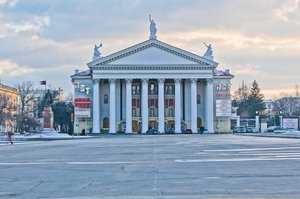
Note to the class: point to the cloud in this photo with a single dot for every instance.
(8, 3)
(287, 10)
(34, 26)
(234, 39)
(10, 69)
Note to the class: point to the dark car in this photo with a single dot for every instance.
(170, 131)
(187, 131)
(152, 131)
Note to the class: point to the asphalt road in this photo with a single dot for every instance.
(152, 166)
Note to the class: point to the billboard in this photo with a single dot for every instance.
(223, 108)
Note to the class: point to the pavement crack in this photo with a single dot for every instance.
(36, 186)
(86, 186)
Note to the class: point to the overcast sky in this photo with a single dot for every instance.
(49, 39)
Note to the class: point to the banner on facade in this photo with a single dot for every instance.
(82, 112)
(223, 108)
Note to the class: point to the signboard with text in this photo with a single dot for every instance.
(82, 112)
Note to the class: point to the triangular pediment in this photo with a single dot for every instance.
(152, 52)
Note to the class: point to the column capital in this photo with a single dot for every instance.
(193, 80)
(209, 81)
(161, 81)
(111, 81)
(177, 81)
(128, 80)
(96, 81)
(145, 81)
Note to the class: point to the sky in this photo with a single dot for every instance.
(49, 39)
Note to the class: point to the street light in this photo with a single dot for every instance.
(280, 118)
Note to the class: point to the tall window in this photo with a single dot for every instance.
(171, 112)
(198, 99)
(134, 112)
(152, 88)
(105, 99)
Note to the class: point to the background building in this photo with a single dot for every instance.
(9, 98)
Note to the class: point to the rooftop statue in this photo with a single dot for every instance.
(209, 52)
(97, 54)
(153, 28)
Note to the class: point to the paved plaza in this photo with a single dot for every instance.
(152, 166)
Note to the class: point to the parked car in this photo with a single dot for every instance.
(239, 129)
(187, 131)
(251, 130)
(170, 131)
(275, 129)
(152, 131)
(202, 130)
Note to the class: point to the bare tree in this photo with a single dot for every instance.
(26, 96)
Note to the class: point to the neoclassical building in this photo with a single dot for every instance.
(152, 85)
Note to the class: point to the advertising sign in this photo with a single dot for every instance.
(82, 112)
(223, 108)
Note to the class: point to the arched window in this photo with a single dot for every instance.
(106, 123)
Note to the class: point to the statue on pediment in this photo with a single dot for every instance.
(153, 28)
(97, 53)
(209, 52)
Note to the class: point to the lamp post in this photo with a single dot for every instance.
(280, 118)
(257, 120)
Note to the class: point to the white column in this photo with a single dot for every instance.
(238, 120)
(194, 105)
(281, 120)
(257, 122)
(96, 106)
(112, 106)
(144, 105)
(177, 106)
(128, 106)
(161, 106)
(209, 112)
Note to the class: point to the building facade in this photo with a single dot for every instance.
(152, 85)
(9, 98)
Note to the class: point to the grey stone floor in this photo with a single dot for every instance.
(152, 166)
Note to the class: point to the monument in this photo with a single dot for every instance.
(48, 115)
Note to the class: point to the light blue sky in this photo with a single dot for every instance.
(48, 39)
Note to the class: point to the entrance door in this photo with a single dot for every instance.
(170, 124)
(135, 126)
(153, 124)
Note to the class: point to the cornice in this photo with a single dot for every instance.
(154, 67)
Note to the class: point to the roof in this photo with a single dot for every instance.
(152, 43)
